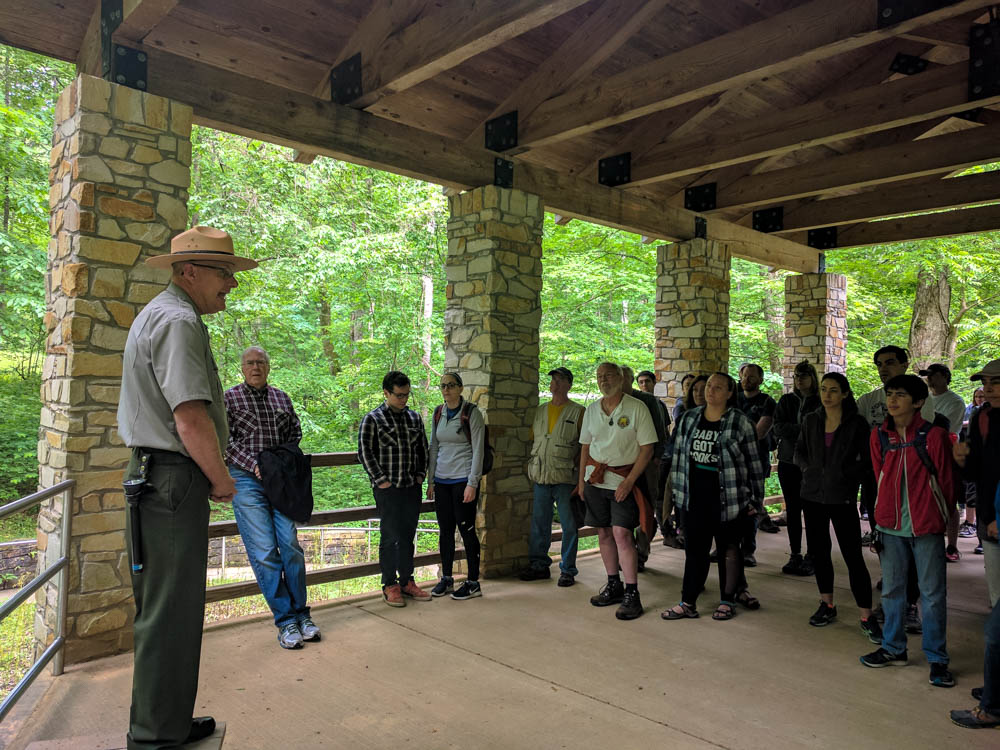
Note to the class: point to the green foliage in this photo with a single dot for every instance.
(19, 436)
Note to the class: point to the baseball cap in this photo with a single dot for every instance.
(564, 372)
(937, 367)
(992, 370)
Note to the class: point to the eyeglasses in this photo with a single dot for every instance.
(401, 396)
(255, 363)
(223, 272)
(446, 386)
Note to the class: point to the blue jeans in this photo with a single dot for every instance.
(273, 549)
(541, 527)
(927, 554)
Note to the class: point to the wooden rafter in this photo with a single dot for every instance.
(804, 34)
(252, 108)
(922, 227)
(142, 16)
(934, 93)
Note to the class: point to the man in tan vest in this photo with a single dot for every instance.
(553, 470)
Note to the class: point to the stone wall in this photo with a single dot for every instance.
(494, 273)
(120, 169)
(692, 312)
(815, 322)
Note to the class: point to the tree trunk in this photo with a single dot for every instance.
(6, 175)
(774, 314)
(427, 309)
(333, 360)
(932, 336)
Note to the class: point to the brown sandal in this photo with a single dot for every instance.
(725, 611)
(687, 612)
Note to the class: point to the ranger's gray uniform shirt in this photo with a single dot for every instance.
(168, 360)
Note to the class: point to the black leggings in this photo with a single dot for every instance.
(452, 512)
(847, 527)
(790, 478)
(701, 526)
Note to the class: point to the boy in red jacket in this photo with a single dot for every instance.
(913, 465)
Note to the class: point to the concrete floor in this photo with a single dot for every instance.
(530, 665)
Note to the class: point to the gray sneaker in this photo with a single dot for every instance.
(290, 636)
(309, 630)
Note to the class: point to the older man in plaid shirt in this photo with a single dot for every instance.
(261, 416)
(392, 446)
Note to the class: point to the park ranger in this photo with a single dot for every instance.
(172, 415)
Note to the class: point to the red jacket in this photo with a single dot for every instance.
(925, 514)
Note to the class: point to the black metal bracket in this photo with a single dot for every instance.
(128, 67)
(891, 12)
(700, 227)
(700, 197)
(972, 115)
(908, 65)
(345, 80)
(769, 219)
(984, 60)
(503, 173)
(821, 263)
(824, 238)
(501, 132)
(615, 170)
(111, 19)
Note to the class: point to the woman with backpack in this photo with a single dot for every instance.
(833, 453)
(788, 417)
(455, 467)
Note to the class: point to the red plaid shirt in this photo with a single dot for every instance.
(258, 419)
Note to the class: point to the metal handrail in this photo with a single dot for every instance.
(55, 651)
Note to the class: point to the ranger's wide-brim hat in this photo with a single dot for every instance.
(202, 244)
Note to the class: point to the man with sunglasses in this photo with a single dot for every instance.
(392, 446)
(171, 414)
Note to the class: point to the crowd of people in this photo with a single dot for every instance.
(912, 448)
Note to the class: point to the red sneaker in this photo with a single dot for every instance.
(393, 596)
(413, 591)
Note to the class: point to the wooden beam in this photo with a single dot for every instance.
(450, 33)
(140, 17)
(593, 42)
(249, 107)
(561, 220)
(303, 157)
(802, 35)
(926, 226)
(940, 154)
(955, 192)
(934, 93)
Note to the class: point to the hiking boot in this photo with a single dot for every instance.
(913, 624)
(951, 554)
(872, 630)
(565, 580)
(670, 539)
(308, 629)
(468, 590)
(535, 574)
(749, 561)
(289, 636)
(882, 658)
(613, 592)
(445, 586)
(393, 595)
(823, 616)
(631, 606)
(975, 718)
(941, 676)
(795, 565)
(412, 591)
(967, 530)
(767, 525)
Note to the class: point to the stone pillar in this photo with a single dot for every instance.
(494, 273)
(692, 312)
(815, 322)
(120, 169)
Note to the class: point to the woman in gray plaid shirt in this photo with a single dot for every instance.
(718, 480)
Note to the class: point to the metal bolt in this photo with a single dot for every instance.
(141, 57)
(977, 89)
(121, 51)
(886, 12)
(988, 41)
(140, 85)
(120, 78)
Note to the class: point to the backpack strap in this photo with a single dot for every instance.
(919, 444)
(467, 408)
(437, 415)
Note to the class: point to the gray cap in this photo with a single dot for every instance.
(992, 370)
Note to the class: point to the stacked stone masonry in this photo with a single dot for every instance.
(815, 322)
(494, 274)
(120, 170)
(692, 312)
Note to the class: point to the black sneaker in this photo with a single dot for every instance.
(565, 579)
(713, 556)
(823, 616)
(631, 606)
(872, 630)
(941, 676)
(445, 586)
(749, 561)
(794, 565)
(767, 525)
(535, 574)
(879, 614)
(913, 624)
(882, 658)
(808, 568)
(979, 549)
(613, 592)
(468, 590)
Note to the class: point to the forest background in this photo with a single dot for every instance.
(353, 286)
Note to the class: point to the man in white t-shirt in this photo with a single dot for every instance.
(951, 406)
(617, 441)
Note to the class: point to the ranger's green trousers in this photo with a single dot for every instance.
(169, 599)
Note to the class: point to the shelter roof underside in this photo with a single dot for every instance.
(777, 103)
